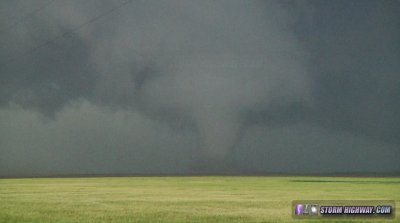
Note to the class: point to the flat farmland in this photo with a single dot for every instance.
(181, 199)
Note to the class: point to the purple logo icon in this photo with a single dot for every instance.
(298, 210)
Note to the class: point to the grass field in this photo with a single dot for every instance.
(179, 199)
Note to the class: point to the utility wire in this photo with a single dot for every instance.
(24, 18)
(32, 50)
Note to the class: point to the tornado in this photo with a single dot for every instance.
(206, 64)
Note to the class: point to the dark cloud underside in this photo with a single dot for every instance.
(159, 87)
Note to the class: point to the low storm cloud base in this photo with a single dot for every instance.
(172, 87)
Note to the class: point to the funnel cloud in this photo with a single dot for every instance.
(193, 87)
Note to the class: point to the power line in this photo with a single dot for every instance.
(28, 16)
(74, 29)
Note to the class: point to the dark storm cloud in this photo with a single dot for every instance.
(181, 87)
(47, 78)
(356, 55)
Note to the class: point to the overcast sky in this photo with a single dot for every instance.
(178, 87)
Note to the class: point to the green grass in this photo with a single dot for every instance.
(179, 199)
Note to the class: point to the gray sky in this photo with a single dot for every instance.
(165, 87)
